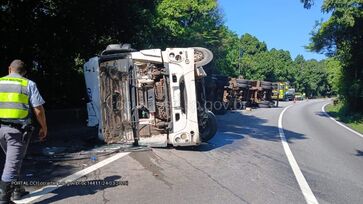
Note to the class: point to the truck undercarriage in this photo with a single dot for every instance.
(150, 97)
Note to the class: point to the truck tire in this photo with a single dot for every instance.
(264, 106)
(242, 86)
(265, 102)
(244, 105)
(239, 105)
(266, 83)
(117, 48)
(266, 87)
(210, 129)
(242, 81)
(202, 56)
(220, 109)
(221, 112)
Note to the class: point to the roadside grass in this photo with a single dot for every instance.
(340, 113)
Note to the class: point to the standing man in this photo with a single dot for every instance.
(18, 96)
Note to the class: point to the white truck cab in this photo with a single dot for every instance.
(149, 97)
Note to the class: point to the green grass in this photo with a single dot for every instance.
(340, 113)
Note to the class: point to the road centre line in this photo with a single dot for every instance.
(339, 123)
(303, 184)
(48, 189)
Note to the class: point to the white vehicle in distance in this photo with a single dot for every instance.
(149, 97)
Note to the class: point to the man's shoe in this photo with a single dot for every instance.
(19, 192)
(6, 189)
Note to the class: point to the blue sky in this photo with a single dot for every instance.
(282, 24)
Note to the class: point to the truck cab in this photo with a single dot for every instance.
(149, 97)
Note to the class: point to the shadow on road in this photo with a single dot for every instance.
(35, 171)
(67, 130)
(45, 170)
(81, 190)
(359, 153)
(235, 126)
(322, 114)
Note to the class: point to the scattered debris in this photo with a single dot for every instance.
(49, 151)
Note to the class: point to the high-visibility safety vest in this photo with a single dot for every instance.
(14, 99)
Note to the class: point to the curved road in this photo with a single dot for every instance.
(244, 163)
(330, 157)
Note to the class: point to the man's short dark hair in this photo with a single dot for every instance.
(17, 66)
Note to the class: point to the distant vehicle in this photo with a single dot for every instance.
(226, 93)
(299, 96)
(149, 97)
(279, 90)
(289, 95)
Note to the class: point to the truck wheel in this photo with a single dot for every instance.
(265, 102)
(211, 128)
(242, 81)
(221, 109)
(244, 104)
(242, 85)
(237, 105)
(266, 83)
(264, 106)
(202, 56)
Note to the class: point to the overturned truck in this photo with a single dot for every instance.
(225, 93)
(149, 97)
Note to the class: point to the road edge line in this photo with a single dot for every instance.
(48, 189)
(303, 184)
(339, 123)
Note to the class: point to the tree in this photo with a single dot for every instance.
(250, 45)
(334, 70)
(55, 37)
(187, 23)
(273, 65)
(251, 49)
(307, 3)
(226, 58)
(341, 36)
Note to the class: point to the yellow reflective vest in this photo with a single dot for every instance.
(14, 99)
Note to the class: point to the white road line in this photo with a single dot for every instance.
(303, 184)
(47, 189)
(339, 123)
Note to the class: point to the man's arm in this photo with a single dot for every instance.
(40, 115)
(36, 101)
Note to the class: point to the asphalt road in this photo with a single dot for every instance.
(244, 163)
(330, 157)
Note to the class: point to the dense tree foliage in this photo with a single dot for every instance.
(334, 70)
(187, 23)
(341, 36)
(253, 60)
(55, 38)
